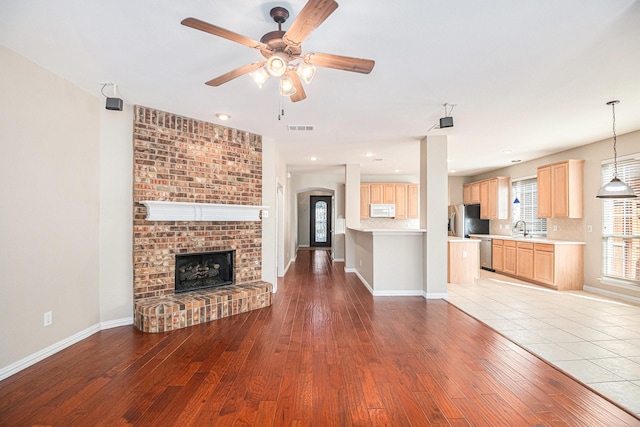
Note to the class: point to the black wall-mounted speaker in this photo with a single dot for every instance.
(446, 122)
(114, 104)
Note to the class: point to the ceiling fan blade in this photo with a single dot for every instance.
(338, 62)
(300, 94)
(310, 17)
(235, 73)
(221, 32)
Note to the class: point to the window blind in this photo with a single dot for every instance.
(526, 193)
(621, 224)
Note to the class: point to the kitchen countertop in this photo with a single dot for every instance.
(390, 231)
(453, 239)
(529, 239)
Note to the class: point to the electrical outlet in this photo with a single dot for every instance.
(464, 254)
(360, 263)
(589, 229)
(555, 227)
(500, 226)
(48, 318)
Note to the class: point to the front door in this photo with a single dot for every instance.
(320, 226)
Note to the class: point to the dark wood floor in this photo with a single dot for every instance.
(326, 353)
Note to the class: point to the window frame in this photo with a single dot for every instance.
(521, 189)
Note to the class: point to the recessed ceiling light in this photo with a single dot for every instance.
(223, 116)
(313, 159)
(507, 151)
(369, 154)
(452, 171)
(396, 170)
(516, 161)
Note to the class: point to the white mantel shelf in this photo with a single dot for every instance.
(185, 211)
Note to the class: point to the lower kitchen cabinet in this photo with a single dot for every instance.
(524, 260)
(497, 249)
(543, 263)
(510, 257)
(557, 265)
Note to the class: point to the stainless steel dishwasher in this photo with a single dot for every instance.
(485, 253)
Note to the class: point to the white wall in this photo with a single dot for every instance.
(49, 224)
(116, 215)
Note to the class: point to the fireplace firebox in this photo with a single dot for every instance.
(203, 270)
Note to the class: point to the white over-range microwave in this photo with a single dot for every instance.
(382, 210)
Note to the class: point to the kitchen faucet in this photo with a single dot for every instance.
(515, 227)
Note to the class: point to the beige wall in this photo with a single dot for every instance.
(592, 154)
(49, 223)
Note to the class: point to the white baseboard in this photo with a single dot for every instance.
(615, 295)
(350, 270)
(430, 295)
(24, 363)
(364, 282)
(338, 259)
(400, 293)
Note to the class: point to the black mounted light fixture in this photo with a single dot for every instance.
(615, 189)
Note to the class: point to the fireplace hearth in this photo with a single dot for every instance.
(197, 271)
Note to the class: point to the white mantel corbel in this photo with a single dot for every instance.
(185, 211)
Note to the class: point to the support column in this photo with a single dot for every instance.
(433, 214)
(351, 214)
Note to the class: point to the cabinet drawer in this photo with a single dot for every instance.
(498, 242)
(525, 245)
(509, 243)
(543, 247)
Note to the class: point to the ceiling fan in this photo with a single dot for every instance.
(282, 50)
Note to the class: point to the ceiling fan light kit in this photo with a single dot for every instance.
(283, 50)
(616, 188)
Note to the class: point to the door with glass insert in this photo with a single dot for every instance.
(320, 221)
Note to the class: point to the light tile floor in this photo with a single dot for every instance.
(593, 338)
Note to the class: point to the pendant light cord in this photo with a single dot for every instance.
(615, 150)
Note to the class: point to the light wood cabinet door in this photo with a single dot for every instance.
(484, 199)
(544, 192)
(492, 199)
(543, 256)
(400, 191)
(412, 201)
(560, 190)
(388, 193)
(497, 259)
(376, 193)
(364, 200)
(509, 257)
(466, 194)
(524, 260)
(475, 192)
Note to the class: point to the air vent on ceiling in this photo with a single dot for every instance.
(301, 127)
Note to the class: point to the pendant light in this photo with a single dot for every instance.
(616, 189)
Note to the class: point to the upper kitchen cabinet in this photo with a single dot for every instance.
(471, 193)
(412, 201)
(365, 191)
(494, 198)
(403, 195)
(560, 189)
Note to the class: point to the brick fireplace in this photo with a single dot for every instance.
(179, 159)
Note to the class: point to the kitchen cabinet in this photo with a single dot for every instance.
(471, 193)
(400, 196)
(403, 195)
(524, 260)
(497, 250)
(543, 263)
(376, 193)
(560, 189)
(365, 190)
(510, 257)
(558, 265)
(492, 195)
(412, 201)
(484, 199)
